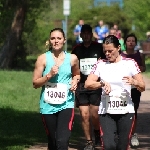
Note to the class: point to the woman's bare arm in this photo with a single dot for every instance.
(38, 80)
(138, 82)
(75, 72)
(91, 82)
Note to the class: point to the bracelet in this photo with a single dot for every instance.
(48, 77)
(78, 80)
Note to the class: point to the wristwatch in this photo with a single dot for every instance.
(102, 82)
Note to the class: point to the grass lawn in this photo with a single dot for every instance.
(21, 124)
(19, 111)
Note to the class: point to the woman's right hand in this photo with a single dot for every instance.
(54, 70)
(107, 88)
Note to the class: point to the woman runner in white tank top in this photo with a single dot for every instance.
(116, 109)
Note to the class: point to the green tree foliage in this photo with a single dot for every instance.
(42, 16)
(109, 14)
(139, 13)
(6, 17)
(78, 7)
(8, 11)
(49, 16)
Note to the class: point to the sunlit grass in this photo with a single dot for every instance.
(21, 123)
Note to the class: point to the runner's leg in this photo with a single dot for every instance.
(82, 101)
(135, 94)
(64, 127)
(108, 129)
(49, 121)
(95, 98)
(95, 123)
(85, 114)
(124, 128)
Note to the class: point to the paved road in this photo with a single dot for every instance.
(143, 128)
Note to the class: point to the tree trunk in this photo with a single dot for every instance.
(9, 48)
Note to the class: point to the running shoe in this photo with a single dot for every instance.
(89, 146)
(134, 140)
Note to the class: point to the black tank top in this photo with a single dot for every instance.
(135, 56)
(95, 50)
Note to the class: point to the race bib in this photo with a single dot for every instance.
(115, 105)
(80, 39)
(55, 93)
(86, 65)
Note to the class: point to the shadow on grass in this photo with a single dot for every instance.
(20, 128)
(23, 129)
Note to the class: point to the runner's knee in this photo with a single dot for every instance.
(85, 114)
(85, 117)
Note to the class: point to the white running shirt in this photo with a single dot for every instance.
(119, 99)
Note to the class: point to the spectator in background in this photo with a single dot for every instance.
(113, 31)
(117, 30)
(100, 32)
(121, 41)
(77, 31)
(47, 45)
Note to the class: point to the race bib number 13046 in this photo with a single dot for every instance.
(55, 93)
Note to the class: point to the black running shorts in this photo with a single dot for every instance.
(86, 97)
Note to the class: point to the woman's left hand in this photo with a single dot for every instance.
(107, 88)
(74, 85)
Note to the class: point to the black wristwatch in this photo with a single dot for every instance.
(102, 82)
